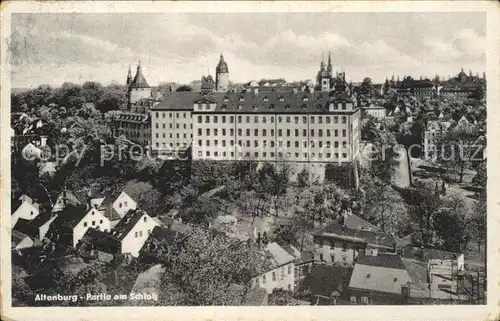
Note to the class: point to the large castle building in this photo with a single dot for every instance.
(135, 122)
(306, 129)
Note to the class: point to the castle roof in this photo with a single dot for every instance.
(222, 66)
(139, 80)
(256, 102)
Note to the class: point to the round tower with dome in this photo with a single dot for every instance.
(222, 75)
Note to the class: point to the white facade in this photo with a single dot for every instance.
(282, 277)
(377, 112)
(137, 94)
(123, 204)
(94, 219)
(171, 130)
(28, 210)
(137, 236)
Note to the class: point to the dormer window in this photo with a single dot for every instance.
(240, 106)
(304, 106)
(281, 98)
(242, 98)
(265, 98)
(226, 98)
(255, 107)
(318, 106)
(305, 98)
(271, 106)
(287, 106)
(224, 107)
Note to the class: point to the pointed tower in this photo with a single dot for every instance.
(322, 65)
(222, 76)
(129, 75)
(329, 67)
(138, 87)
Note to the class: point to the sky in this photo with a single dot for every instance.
(179, 47)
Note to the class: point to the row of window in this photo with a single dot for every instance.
(85, 224)
(171, 145)
(171, 126)
(289, 270)
(139, 233)
(177, 115)
(248, 132)
(281, 119)
(177, 135)
(296, 144)
(272, 155)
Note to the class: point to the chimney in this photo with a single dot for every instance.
(295, 90)
(256, 90)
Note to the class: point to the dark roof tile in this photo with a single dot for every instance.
(127, 222)
(354, 235)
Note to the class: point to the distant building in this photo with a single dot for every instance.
(68, 197)
(463, 86)
(379, 112)
(222, 75)
(138, 87)
(378, 279)
(339, 244)
(434, 132)
(134, 122)
(278, 272)
(422, 88)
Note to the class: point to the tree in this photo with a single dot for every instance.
(477, 222)
(205, 267)
(303, 178)
(480, 179)
(383, 206)
(449, 224)
(456, 149)
(22, 295)
(426, 206)
(88, 280)
(184, 88)
(92, 92)
(281, 297)
(113, 98)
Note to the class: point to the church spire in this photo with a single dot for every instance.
(322, 61)
(329, 68)
(129, 75)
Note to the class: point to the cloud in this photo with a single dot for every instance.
(465, 45)
(177, 47)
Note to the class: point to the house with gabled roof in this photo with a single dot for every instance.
(116, 205)
(68, 197)
(378, 279)
(72, 223)
(26, 209)
(339, 244)
(277, 271)
(133, 230)
(36, 228)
